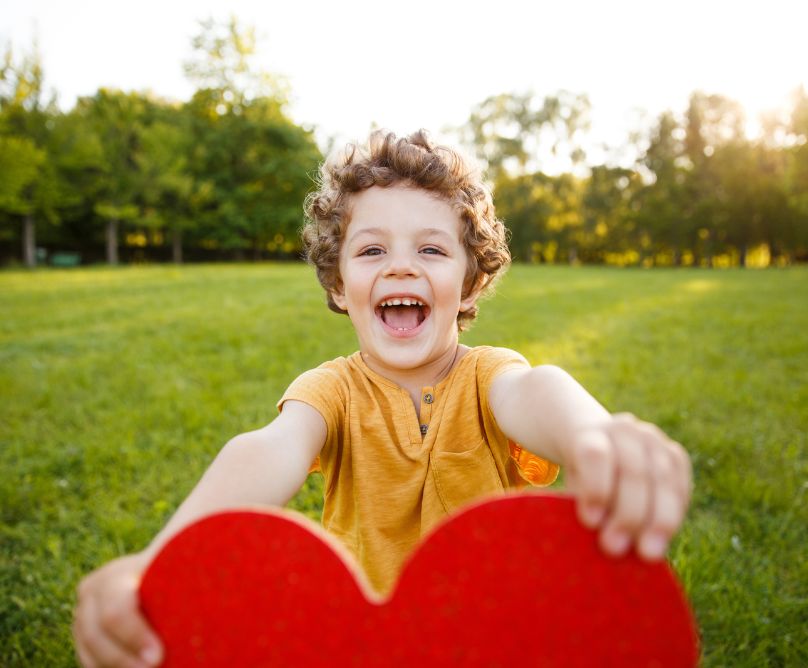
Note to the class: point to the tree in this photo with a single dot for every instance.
(796, 178)
(20, 164)
(168, 194)
(712, 123)
(31, 189)
(254, 159)
(605, 207)
(665, 222)
(118, 120)
(524, 204)
(223, 66)
(511, 134)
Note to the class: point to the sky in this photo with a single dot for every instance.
(426, 63)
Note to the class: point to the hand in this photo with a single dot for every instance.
(107, 627)
(632, 482)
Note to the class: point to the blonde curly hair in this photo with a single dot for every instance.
(386, 160)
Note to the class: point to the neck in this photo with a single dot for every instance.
(427, 375)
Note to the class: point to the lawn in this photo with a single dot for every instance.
(118, 386)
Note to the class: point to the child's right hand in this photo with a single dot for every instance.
(108, 628)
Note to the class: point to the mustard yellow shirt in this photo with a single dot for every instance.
(390, 477)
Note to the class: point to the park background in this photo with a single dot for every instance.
(639, 235)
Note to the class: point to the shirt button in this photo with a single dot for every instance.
(428, 398)
(424, 427)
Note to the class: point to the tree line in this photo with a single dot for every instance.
(699, 193)
(220, 176)
(125, 176)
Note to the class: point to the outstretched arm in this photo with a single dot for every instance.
(631, 481)
(263, 467)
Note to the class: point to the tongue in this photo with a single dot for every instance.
(401, 317)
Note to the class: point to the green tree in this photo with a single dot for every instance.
(795, 245)
(605, 207)
(169, 196)
(20, 165)
(31, 189)
(118, 120)
(524, 204)
(253, 158)
(665, 223)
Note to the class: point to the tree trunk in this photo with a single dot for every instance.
(112, 242)
(742, 251)
(29, 241)
(176, 246)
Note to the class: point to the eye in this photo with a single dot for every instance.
(432, 250)
(371, 251)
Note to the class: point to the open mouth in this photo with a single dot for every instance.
(402, 314)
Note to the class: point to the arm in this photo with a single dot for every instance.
(264, 467)
(632, 482)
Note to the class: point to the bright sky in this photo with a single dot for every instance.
(425, 63)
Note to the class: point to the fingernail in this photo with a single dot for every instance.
(653, 546)
(616, 542)
(150, 655)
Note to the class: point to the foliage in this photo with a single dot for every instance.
(225, 172)
(700, 193)
(118, 388)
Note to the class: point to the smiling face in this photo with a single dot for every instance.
(402, 266)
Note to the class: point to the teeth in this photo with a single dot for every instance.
(406, 301)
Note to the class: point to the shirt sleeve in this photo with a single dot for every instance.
(322, 389)
(529, 468)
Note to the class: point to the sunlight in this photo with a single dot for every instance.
(700, 286)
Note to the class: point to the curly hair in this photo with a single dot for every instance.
(415, 161)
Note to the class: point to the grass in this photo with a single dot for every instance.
(117, 388)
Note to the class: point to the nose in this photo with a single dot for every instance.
(401, 264)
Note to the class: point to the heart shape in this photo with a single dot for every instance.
(507, 581)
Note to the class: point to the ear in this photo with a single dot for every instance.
(338, 297)
(470, 300)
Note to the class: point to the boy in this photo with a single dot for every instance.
(405, 241)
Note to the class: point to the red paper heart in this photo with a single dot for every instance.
(515, 580)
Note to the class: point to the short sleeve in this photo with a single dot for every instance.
(530, 468)
(324, 390)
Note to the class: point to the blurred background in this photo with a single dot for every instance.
(629, 133)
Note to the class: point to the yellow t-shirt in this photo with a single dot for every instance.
(390, 477)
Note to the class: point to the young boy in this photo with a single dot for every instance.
(405, 241)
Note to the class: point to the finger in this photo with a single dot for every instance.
(109, 653)
(592, 475)
(684, 471)
(94, 647)
(84, 657)
(85, 661)
(655, 437)
(632, 498)
(667, 507)
(129, 630)
(80, 614)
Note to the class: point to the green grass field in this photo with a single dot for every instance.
(117, 388)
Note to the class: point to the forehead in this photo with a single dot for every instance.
(402, 208)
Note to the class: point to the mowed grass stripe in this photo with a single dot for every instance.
(118, 387)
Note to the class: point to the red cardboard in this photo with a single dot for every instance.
(511, 581)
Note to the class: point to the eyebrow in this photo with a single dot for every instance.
(427, 231)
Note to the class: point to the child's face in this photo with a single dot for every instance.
(403, 244)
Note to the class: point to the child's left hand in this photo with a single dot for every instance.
(632, 482)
